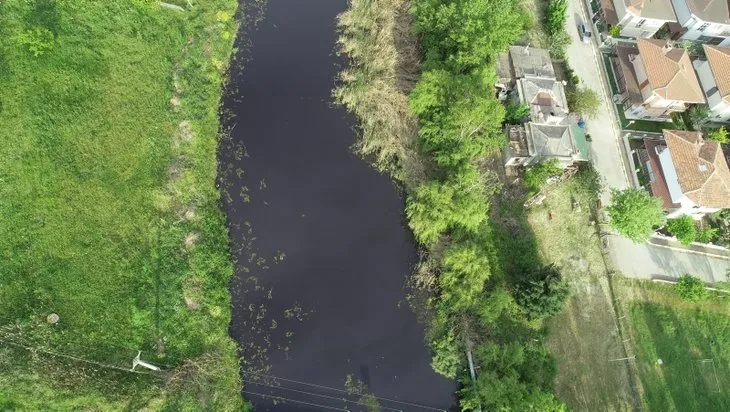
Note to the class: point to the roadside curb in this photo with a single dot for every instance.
(696, 252)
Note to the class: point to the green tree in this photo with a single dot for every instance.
(466, 34)
(457, 203)
(691, 288)
(536, 176)
(502, 383)
(583, 100)
(460, 121)
(698, 115)
(448, 354)
(719, 135)
(634, 213)
(588, 181)
(684, 228)
(542, 293)
(516, 112)
(465, 269)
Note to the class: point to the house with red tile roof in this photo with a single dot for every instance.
(688, 173)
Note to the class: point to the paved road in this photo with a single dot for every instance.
(648, 261)
(605, 149)
(645, 260)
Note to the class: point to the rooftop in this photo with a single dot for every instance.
(653, 9)
(657, 181)
(554, 141)
(716, 11)
(546, 98)
(531, 62)
(701, 168)
(719, 61)
(669, 71)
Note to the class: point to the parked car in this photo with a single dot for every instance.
(585, 33)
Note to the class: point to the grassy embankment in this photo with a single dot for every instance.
(690, 339)
(443, 165)
(109, 212)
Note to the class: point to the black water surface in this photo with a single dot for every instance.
(322, 249)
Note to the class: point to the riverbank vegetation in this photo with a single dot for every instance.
(112, 237)
(466, 268)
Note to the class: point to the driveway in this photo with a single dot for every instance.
(644, 261)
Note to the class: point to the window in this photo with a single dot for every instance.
(641, 23)
(710, 40)
(712, 91)
(703, 27)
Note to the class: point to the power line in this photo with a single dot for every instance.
(314, 394)
(342, 390)
(292, 400)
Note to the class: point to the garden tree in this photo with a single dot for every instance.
(466, 34)
(459, 202)
(691, 288)
(465, 269)
(583, 100)
(516, 112)
(536, 176)
(459, 119)
(719, 135)
(502, 385)
(684, 228)
(542, 292)
(634, 213)
(698, 115)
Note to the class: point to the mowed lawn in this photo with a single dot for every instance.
(691, 340)
(108, 209)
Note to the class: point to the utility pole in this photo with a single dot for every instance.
(620, 359)
(136, 361)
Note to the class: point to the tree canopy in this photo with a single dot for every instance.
(543, 292)
(684, 228)
(466, 35)
(634, 213)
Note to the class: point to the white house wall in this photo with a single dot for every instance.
(719, 107)
(629, 25)
(681, 10)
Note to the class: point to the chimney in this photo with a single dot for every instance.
(666, 48)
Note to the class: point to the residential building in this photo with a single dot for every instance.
(688, 173)
(546, 99)
(523, 61)
(638, 18)
(707, 21)
(655, 79)
(534, 143)
(714, 75)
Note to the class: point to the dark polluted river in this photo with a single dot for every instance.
(322, 250)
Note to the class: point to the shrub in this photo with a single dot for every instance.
(719, 135)
(691, 288)
(38, 40)
(543, 292)
(634, 213)
(448, 357)
(536, 176)
(708, 234)
(615, 31)
(684, 228)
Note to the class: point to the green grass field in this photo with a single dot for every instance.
(692, 340)
(108, 208)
